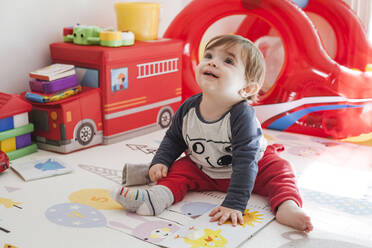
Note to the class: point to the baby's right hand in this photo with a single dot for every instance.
(157, 172)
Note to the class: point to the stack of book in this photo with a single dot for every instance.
(53, 83)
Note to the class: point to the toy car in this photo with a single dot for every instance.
(4, 161)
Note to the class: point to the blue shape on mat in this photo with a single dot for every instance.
(288, 120)
(195, 209)
(75, 215)
(301, 3)
(49, 165)
(345, 204)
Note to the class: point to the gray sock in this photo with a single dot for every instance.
(152, 201)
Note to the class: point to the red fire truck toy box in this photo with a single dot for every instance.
(127, 91)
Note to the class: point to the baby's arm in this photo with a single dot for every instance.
(246, 135)
(173, 144)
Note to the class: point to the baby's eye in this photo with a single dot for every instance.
(207, 56)
(229, 61)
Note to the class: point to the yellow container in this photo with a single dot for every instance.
(142, 18)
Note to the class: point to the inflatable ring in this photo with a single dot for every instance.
(313, 94)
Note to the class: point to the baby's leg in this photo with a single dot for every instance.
(152, 201)
(276, 179)
(290, 214)
(183, 176)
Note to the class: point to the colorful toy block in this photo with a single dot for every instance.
(20, 120)
(6, 124)
(8, 145)
(15, 130)
(23, 140)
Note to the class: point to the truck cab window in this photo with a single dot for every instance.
(119, 79)
(87, 77)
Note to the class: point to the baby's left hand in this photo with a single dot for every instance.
(223, 214)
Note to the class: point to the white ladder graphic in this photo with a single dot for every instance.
(157, 68)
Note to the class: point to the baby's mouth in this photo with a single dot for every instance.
(208, 73)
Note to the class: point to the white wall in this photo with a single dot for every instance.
(28, 26)
(363, 9)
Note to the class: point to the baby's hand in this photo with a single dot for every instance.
(222, 214)
(157, 172)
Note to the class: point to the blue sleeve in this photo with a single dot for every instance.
(173, 144)
(246, 133)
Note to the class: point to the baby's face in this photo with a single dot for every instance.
(221, 73)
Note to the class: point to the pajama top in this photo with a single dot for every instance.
(229, 147)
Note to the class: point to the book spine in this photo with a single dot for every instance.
(36, 85)
(60, 84)
(41, 77)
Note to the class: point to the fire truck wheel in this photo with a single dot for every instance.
(85, 134)
(165, 118)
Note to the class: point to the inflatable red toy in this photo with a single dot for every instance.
(313, 94)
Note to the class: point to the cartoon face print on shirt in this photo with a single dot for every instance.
(216, 154)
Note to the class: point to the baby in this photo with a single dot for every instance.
(224, 144)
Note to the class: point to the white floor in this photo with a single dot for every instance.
(335, 179)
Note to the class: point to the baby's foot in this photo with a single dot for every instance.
(151, 201)
(292, 215)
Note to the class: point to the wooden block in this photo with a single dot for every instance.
(6, 123)
(8, 145)
(20, 120)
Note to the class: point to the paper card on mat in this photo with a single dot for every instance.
(196, 204)
(150, 229)
(202, 233)
(36, 169)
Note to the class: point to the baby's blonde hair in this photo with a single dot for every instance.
(251, 56)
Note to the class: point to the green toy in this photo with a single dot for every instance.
(84, 35)
(93, 35)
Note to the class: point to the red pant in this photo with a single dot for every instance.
(275, 179)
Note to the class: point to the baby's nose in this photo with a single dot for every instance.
(212, 63)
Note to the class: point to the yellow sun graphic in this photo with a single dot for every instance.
(250, 218)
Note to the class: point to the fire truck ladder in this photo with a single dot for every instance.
(157, 68)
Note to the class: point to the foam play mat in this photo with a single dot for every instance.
(75, 209)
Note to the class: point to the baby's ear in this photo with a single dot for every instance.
(250, 90)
